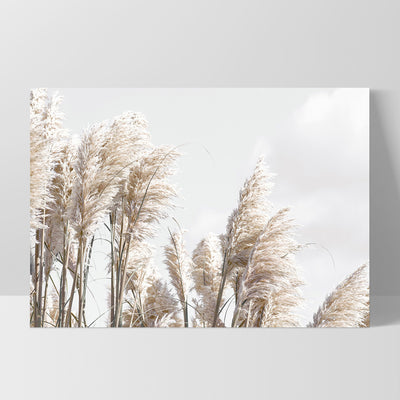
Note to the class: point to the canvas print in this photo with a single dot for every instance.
(199, 208)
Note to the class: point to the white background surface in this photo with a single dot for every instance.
(254, 43)
(198, 364)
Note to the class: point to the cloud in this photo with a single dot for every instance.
(321, 157)
(325, 142)
(335, 114)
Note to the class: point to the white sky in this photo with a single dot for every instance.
(316, 141)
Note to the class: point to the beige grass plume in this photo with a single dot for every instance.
(160, 307)
(179, 265)
(59, 233)
(138, 274)
(148, 192)
(156, 306)
(139, 267)
(206, 275)
(248, 220)
(61, 187)
(269, 290)
(348, 304)
(244, 226)
(105, 155)
(94, 187)
(128, 137)
(47, 139)
(125, 143)
(45, 134)
(143, 201)
(40, 168)
(93, 196)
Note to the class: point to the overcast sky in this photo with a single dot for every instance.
(316, 141)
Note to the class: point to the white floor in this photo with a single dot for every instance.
(200, 364)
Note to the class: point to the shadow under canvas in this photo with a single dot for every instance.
(385, 310)
(384, 214)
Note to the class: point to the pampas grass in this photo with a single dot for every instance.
(157, 308)
(179, 265)
(143, 200)
(115, 186)
(347, 305)
(269, 289)
(244, 226)
(46, 134)
(45, 122)
(206, 274)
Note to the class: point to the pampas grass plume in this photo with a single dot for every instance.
(348, 304)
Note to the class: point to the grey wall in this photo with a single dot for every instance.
(217, 43)
(200, 44)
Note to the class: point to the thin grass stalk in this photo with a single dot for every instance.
(85, 279)
(71, 297)
(45, 296)
(47, 272)
(138, 300)
(141, 312)
(248, 314)
(131, 320)
(139, 307)
(237, 283)
(80, 265)
(186, 315)
(220, 290)
(66, 248)
(112, 215)
(235, 316)
(112, 314)
(36, 275)
(137, 296)
(123, 279)
(64, 277)
(82, 251)
(118, 286)
(119, 260)
(227, 304)
(41, 268)
(133, 314)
